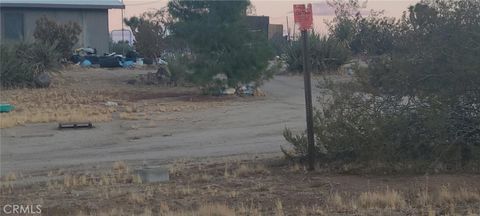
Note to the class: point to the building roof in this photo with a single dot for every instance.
(77, 4)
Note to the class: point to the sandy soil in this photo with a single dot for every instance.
(247, 186)
(158, 124)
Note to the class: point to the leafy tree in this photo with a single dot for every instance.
(62, 36)
(369, 35)
(326, 53)
(217, 37)
(150, 31)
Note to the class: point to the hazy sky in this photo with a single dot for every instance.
(277, 10)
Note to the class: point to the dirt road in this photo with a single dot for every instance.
(241, 127)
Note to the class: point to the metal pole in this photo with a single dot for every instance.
(288, 31)
(308, 104)
(123, 33)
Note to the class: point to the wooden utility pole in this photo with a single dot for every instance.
(308, 102)
(304, 17)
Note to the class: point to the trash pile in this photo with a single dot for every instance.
(87, 57)
(161, 77)
(250, 89)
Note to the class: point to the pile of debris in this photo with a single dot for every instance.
(250, 89)
(87, 57)
(161, 77)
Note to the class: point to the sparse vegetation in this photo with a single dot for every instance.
(386, 199)
(69, 99)
(246, 170)
(119, 192)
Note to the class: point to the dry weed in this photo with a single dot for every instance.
(279, 208)
(138, 198)
(177, 167)
(248, 170)
(387, 199)
(248, 210)
(335, 202)
(215, 210)
(468, 196)
(204, 177)
(120, 174)
(11, 176)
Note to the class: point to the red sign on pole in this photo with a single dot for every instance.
(303, 16)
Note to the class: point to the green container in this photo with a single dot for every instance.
(6, 108)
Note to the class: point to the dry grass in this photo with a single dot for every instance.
(54, 105)
(296, 167)
(201, 177)
(11, 176)
(120, 174)
(245, 170)
(462, 195)
(177, 167)
(279, 208)
(84, 95)
(335, 201)
(6, 182)
(390, 199)
(215, 210)
(201, 189)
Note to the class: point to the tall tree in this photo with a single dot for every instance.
(219, 40)
(150, 31)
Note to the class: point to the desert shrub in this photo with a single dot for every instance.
(177, 64)
(416, 102)
(326, 54)
(22, 63)
(120, 47)
(61, 36)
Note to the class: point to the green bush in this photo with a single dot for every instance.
(418, 102)
(326, 54)
(177, 65)
(22, 63)
(61, 36)
(120, 47)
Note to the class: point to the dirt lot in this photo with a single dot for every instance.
(222, 155)
(146, 125)
(245, 186)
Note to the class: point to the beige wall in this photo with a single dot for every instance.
(275, 30)
(94, 24)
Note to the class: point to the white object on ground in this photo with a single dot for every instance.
(111, 103)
